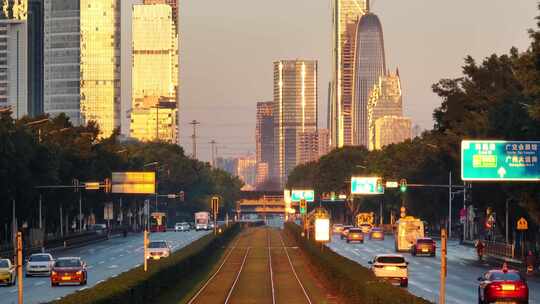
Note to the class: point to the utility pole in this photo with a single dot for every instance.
(213, 143)
(442, 290)
(19, 267)
(450, 205)
(194, 123)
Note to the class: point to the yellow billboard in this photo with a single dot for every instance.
(134, 182)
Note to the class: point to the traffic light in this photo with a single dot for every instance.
(182, 196)
(303, 206)
(403, 185)
(107, 186)
(380, 188)
(467, 190)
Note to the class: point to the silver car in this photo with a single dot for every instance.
(39, 264)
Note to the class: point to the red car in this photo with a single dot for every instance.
(424, 246)
(69, 270)
(502, 285)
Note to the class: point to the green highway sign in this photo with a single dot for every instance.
(298, 195)
(498, 160)
(366, 185)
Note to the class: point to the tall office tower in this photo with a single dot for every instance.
(100, 63)
(346, 14)
(391, 130)
(264, 138)
(385, 99)
(14, 66)
(35, 57)
(62, 59)
(82, 61)
(295, 110)
(155, 70)
(369, 65)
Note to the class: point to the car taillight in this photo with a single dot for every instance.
(78, 272)
(54, 273)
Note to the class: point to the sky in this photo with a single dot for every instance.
(228, 47)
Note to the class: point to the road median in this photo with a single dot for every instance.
(349, 279)
(137, 286)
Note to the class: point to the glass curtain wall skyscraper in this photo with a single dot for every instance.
(82, 61)
(264, 139)
(295, 110)
(370, 64)
(155, 70)
(346, 14)
(100, 63)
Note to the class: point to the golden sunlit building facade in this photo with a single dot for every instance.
(346, 14)
(155, 72)
(100, 63)
(295, 110)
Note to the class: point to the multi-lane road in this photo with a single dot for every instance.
(463, 269)
(105, 260)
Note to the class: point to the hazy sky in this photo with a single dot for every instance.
(227, 50)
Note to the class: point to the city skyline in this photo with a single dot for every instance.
(207, 22)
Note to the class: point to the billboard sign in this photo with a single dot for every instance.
(498, 160)
(298, 195)
(134, 182)
(366, 185)
(322, 230)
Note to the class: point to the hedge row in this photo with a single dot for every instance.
(136, 286)
(351, 280)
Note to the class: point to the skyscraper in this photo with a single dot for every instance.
(62, 62)
(370, 64)
(100, 63)
(82, 61)
(385, 99)
(21, 57)
(264, 137)
(35, 57)
(346, 14)
(295, 110)
(155, 72)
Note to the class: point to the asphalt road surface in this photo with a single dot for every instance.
(424, 272)
(105, 260)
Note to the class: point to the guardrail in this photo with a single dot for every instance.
(500, 250)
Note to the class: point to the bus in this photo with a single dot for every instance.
(407, 230)
(158, 222)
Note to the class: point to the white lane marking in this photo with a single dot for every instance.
(83, 288)
(101, 262)
(39, 283)
(100, 281)
(113, 266)
(14, 290)
(89, 266)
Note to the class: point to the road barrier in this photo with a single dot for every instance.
(354, 282)
(500, 250)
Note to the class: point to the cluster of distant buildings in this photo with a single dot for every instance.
(115, 62)
(365, 103)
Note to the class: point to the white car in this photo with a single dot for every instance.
(182, 227)
(39, 264)
(391, 267)
(158, 250)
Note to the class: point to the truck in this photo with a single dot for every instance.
(202, 220)
(364, 221)
(407, 230)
